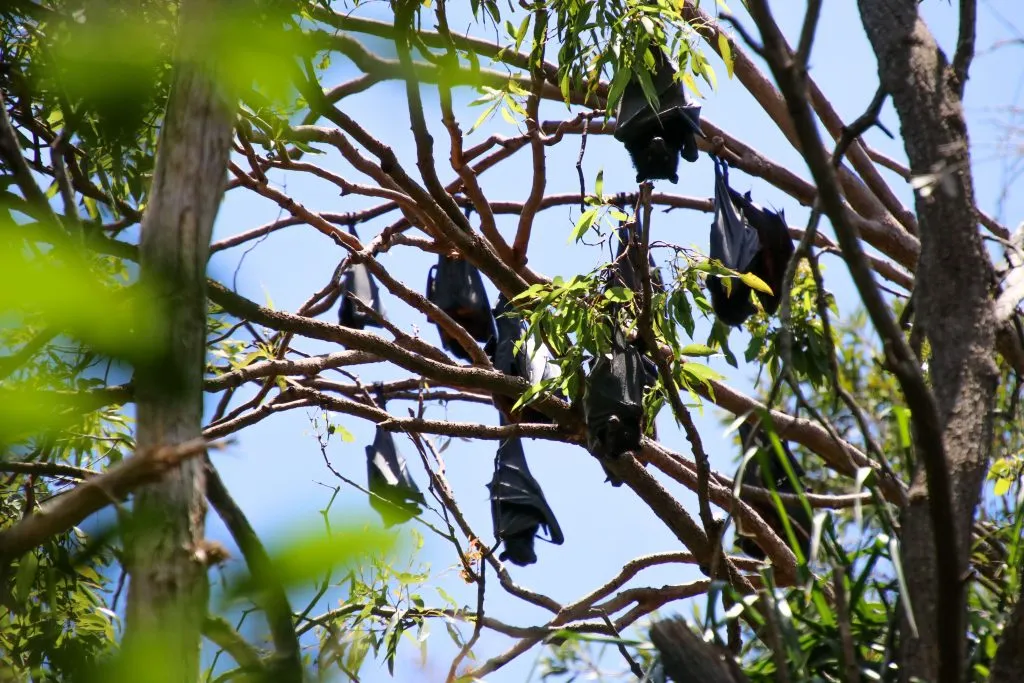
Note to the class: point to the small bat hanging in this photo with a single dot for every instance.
(389, 479)
(613, 400)
(624, 273)
(656, 138)
(358, 283)
(747, 239)
(766, 471)
(454, 285)
(518, 507)
(502, 351)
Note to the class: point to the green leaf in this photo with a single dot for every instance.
(755, 283)
(726, 51)
(26, 576)
(618, 294)
(701, 372)
(586, 220)
(700, 350)
(1002, 486)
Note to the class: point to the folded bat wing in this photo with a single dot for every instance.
(655, 138)
(455, 286)
(613, 401)
(624, 270)
(358, 283)
(776, 247)
(518, 506)
(735, 243)
(389, 479)
(509, 331)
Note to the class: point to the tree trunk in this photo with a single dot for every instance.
(167, 595)
(953, 299)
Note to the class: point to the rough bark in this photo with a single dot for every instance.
(169, 588)
(954, 303)
(685, 657)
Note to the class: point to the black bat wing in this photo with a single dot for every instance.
(624, 272)
(735, 244)
(509, 331)
(457, 288)
(733, 241)
(358, 283)
(613, 401)
(656, 137)
(776, 248)
(518, 506)
(388, 477)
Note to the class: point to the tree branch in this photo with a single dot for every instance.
(69, 509)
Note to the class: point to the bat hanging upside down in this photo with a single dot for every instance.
(518, 507)
(747, 239)
(655, 138)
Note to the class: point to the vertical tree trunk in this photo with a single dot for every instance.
(954, 304)
(168, 591)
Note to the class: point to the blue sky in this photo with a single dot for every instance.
(276, 471)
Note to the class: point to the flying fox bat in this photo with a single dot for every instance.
(358, 283)
(613, 400)
(531, 362)
(765, 470)
(454, 285)
(747, 239)
(518, 507)
(389, 479)
(655, 138)
(624, 270)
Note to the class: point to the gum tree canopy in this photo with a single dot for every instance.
(318, 186)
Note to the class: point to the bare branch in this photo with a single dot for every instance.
(964, 54)
(69, 509)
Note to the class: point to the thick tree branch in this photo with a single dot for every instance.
(69, 509)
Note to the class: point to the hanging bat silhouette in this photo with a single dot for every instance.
(655, 138)
(358, 283)
(765, 470)
(747, 239)
(518, 507)
(624, 273)
(455, 286)
(530, 362)
(613, 401)
(389, 479)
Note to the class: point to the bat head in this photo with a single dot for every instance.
(654, 158)
(732, 307)
(519, 545)
(621, 433)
